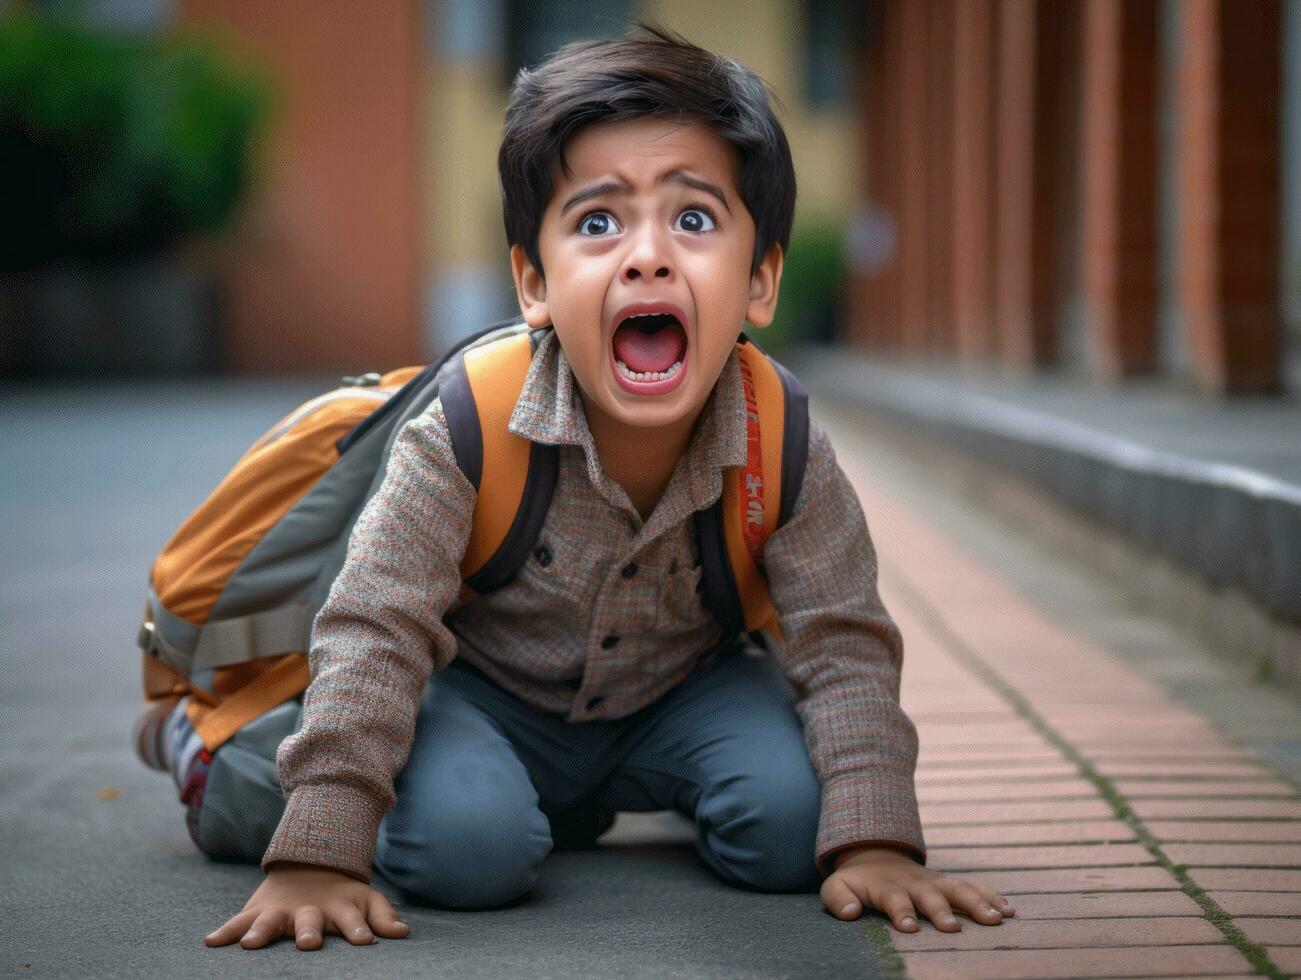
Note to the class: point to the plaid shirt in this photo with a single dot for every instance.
(598, 571)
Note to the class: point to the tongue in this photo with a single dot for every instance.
(645, 352)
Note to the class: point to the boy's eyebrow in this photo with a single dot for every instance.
(616, 186)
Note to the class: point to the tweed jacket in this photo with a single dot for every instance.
(603, 618)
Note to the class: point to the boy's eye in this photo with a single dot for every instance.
(697, 218)
(598, 224)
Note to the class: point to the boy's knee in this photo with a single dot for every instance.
(764, 832)
(466, 860)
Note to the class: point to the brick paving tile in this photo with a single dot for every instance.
(1247, 879)
(1144, 751)
(1225, 808)
(1049, 964)
(1235, 855)
(1064, 832)
(1287, 959)
(1192, 768)
(1062, 934)
(1111, 742)
(1007, 735)
(934, 736)
(1111, 730)
(1098, 905)
(1028, 789)
(1271, 932)
(985, 755)
(1224, 831)
(1025, 882)
(928, 717)
(1139, 788)
(1255, 903)
(965, 813)
(1158, 713)
(965, 773)
(1066, 856)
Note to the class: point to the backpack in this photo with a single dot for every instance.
(233, 594)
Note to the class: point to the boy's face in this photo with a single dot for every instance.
(670, 229)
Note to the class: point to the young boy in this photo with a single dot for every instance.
(640, 175)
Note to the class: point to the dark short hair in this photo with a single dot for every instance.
(651, 71)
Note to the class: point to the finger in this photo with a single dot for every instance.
(932, 903)
(232, 930)
(972, 899)
(268, 926)
(351, 926)
(840, 899)
(383, 919)
(309, 925)
(999, 902)
(896, 904)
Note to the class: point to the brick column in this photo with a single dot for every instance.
(973, 181)
(940, 94)
(328, 275)
(874, 299)
(1228, 180)
(1014, 176)
(1056, 175)
(913, 160)
(1118, 218)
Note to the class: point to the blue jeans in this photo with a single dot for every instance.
(725, 748)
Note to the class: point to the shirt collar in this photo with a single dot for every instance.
(549, 410)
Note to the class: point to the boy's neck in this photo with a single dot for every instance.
(640, 459)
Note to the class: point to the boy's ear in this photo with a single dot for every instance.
(530, 289)
(763, 288)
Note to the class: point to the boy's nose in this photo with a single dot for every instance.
(647, 258)
(634, 271)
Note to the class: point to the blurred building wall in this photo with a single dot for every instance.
(326, 269)
(1083, 185)
(375, 237)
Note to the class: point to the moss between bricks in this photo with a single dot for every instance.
(1254, 952)
(887, 957)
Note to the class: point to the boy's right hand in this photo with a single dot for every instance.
(307, 901)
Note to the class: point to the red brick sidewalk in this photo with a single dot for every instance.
(1122, 825)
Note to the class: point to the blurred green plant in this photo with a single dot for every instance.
(116, 144)
(813, 276)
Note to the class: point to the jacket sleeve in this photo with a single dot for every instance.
(843, 653)
(375, 642)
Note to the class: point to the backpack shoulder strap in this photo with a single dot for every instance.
(514, 477)
(757, 498)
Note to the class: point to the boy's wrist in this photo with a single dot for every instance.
(874, 851)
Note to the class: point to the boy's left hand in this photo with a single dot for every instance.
(893, 883)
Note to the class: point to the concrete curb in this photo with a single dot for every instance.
(1234, 526)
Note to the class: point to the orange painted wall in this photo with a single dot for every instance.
(324, 271)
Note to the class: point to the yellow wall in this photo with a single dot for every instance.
(463, 216)
(768, 37)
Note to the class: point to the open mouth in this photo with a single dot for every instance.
(649, 352)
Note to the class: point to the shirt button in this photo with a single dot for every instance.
(593, 702)
(543, 555)
(609, 641)
(630, 569)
